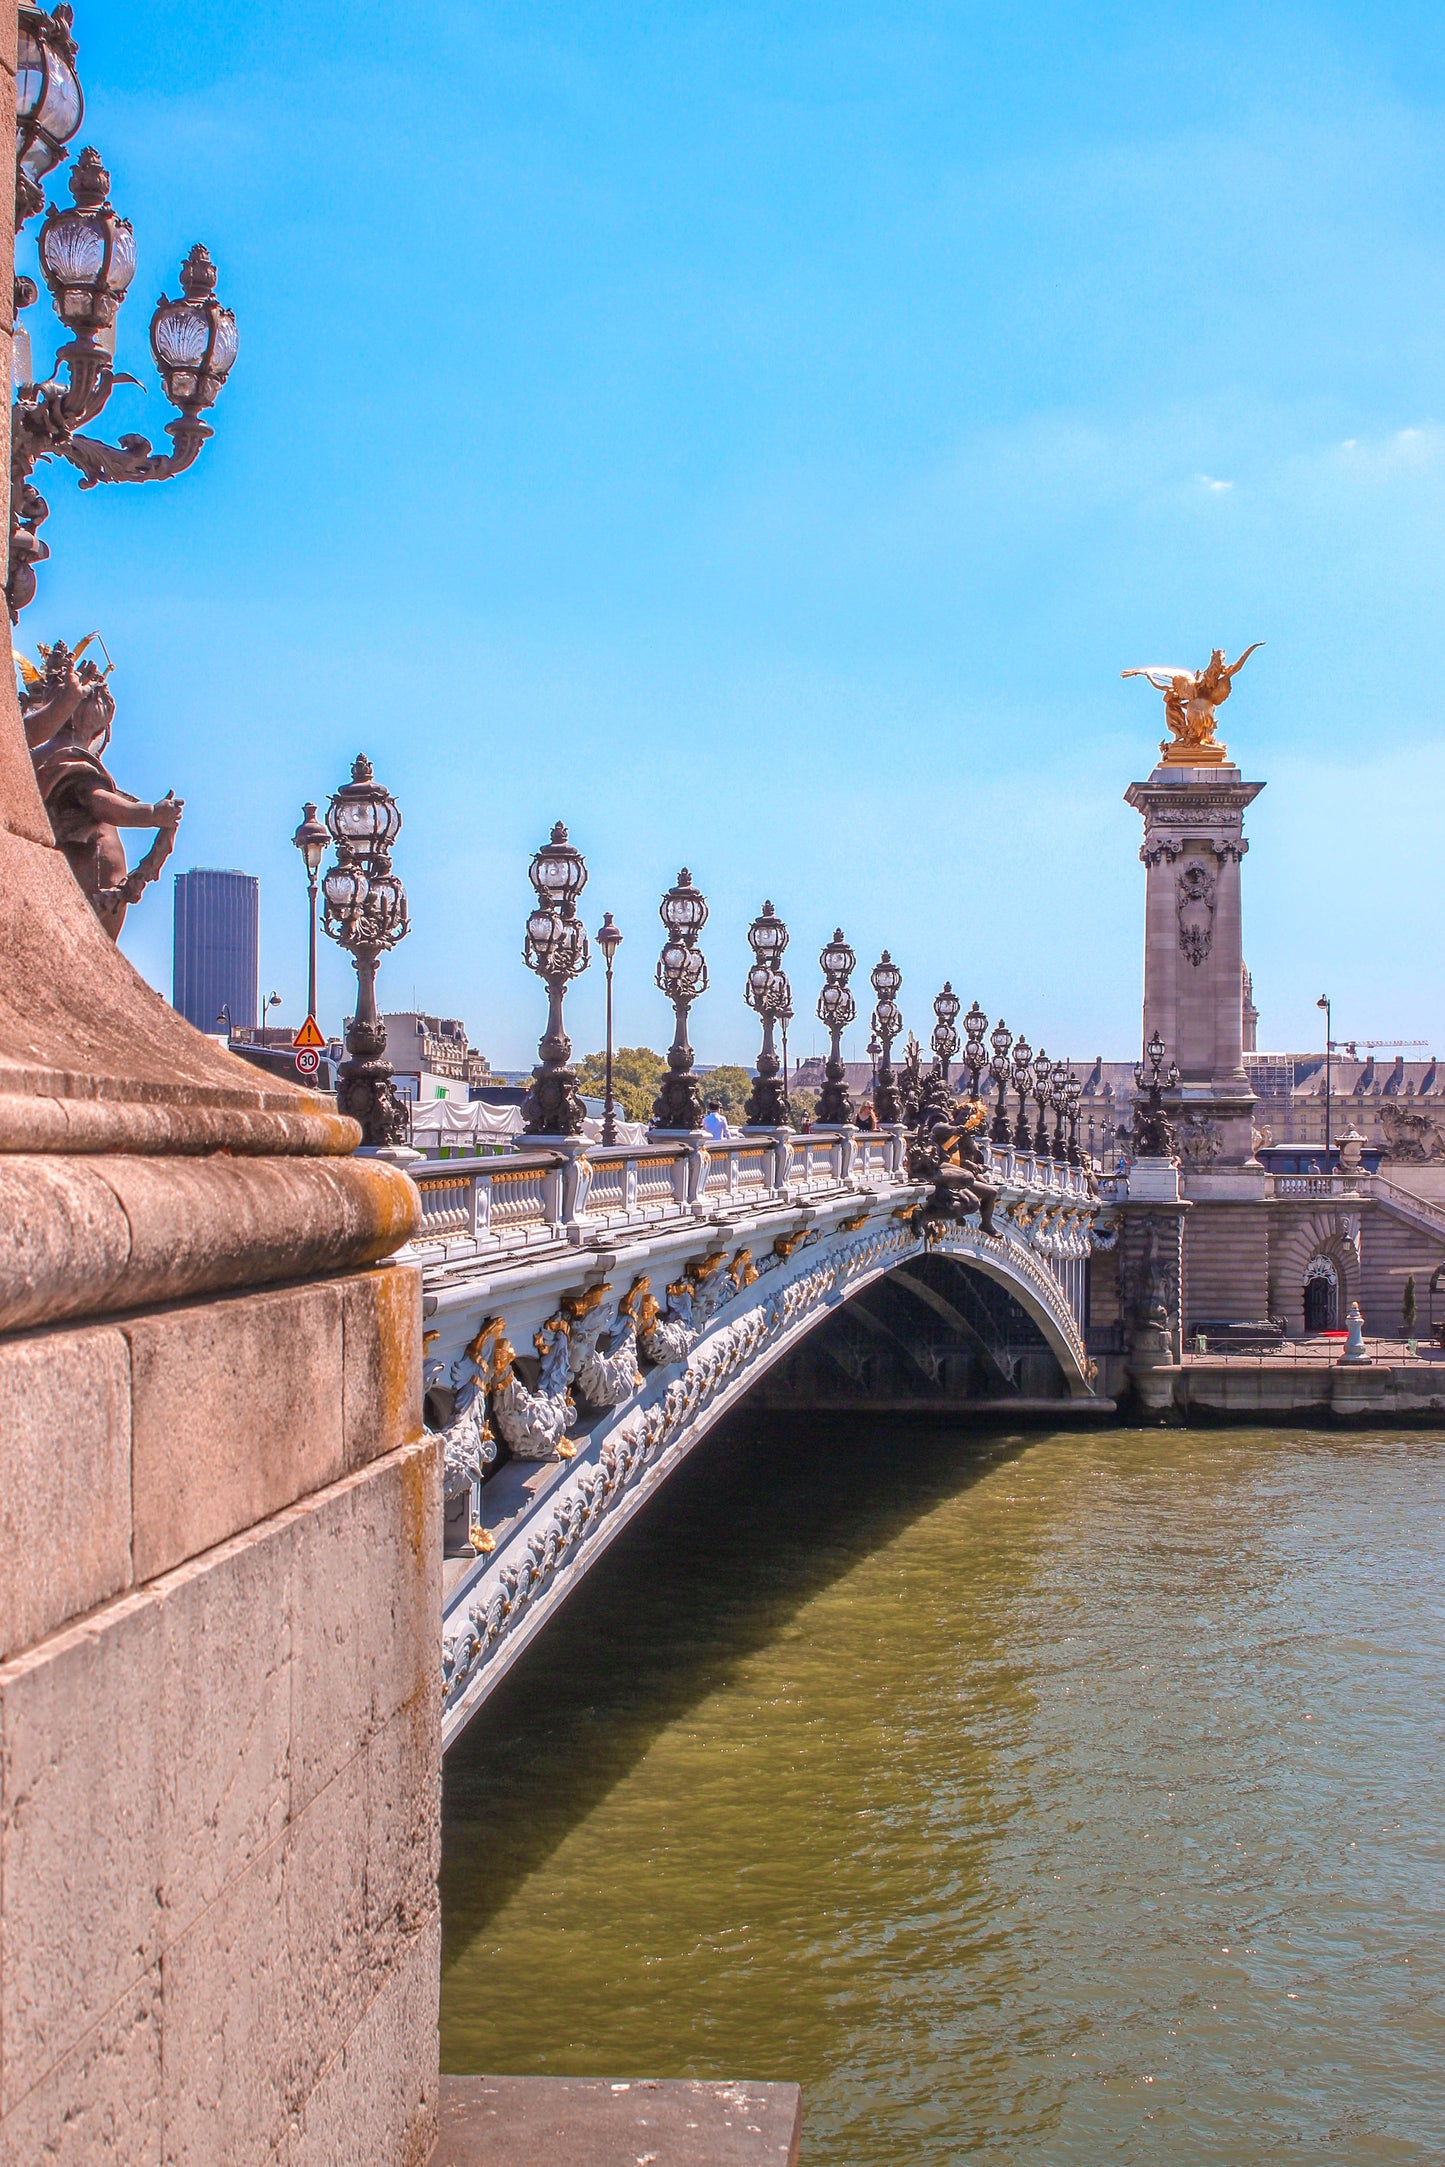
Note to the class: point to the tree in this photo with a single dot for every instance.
(802, 1108)
(730, 1084)
(1409, 1308)
(636, 1074)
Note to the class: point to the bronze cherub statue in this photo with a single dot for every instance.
(68, 709)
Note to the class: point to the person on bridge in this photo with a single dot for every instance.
(716, 1122)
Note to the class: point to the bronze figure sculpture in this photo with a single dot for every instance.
(68, 708)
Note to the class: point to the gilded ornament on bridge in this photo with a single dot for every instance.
(1192, 699)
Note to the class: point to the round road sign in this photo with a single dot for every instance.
(308, 1060)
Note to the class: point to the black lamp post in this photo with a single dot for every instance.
(769, 996)
(975, 1054)
(886, 979)
(1043, 1070)
(1059, 1100)
(556, 949)
(946, 1006)
(1000, 1038)
(88, 259)
(310, 840)
(49, 103)
(609, 940)
(682, 976)
(1153, 1132)
(836, 1010)
(1073, 1091)
(1023, 1055)
(366, 914)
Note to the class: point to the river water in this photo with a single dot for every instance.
(1065, 1799)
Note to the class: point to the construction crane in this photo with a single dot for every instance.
(1348, 1045)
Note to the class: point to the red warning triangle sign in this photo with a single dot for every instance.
(309, 1035)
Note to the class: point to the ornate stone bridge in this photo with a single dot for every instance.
(600, 1310)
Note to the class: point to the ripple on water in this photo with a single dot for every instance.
(1067, 1801)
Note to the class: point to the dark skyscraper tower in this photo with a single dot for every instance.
(215, 960)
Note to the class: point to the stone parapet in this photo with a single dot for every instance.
(218, 1847)
(85, 1237)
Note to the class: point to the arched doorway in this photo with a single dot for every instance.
(1322, 1295)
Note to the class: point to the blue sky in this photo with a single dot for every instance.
(759, 436)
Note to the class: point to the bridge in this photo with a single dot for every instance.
(598, 1311)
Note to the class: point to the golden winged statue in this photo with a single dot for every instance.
(1192, 699)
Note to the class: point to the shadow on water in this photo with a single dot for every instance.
(759, 1520)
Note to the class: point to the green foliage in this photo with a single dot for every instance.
(636, 1073)
(731, 1085)
(1409, 1309)
(802, 1107)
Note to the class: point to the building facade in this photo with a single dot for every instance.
(215, 964)
(432, 1057)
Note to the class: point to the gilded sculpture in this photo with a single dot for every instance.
(1192, 699)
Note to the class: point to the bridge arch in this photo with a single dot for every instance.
(746, 1317)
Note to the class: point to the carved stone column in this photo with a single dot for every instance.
(1193, 945)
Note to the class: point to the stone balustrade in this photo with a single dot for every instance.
(478, 1207)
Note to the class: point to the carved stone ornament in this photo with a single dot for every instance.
(1411, 1139)
(1196, 910)
(1198, 1139)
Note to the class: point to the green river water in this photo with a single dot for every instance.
(1072, 1798)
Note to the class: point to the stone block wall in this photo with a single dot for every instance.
(1226, 1262)
(219, 1733)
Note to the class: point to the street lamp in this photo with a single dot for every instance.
(1073, 1093)
(836, 1010)
(1324, 1003)
(556, 949)
(769, 995)
(975, 1055)
(946, 1006)
(310, 840)
(88, 258)
(1059, 1100)
(1043, 1070)
(1000, 1038)
(682, 976)
(365, 913)
(609, 941)
(1153, 1132)
(886, 979)
(49, 103)
(1023, 1054)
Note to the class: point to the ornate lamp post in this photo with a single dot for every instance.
(310, 840)
(836, 1010)
(769, 996)
(609, 940)
(1153, 1132)
(1043, 1071)
(886, 979)
(946, 1006)
(1023, 1055)
(556, 949)
(975, 1053)
(1059, 1100)
(87, 255)
(366, 915)
(1000, 1038)
(49, 104)
(682, 976)
(1073, 1092)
